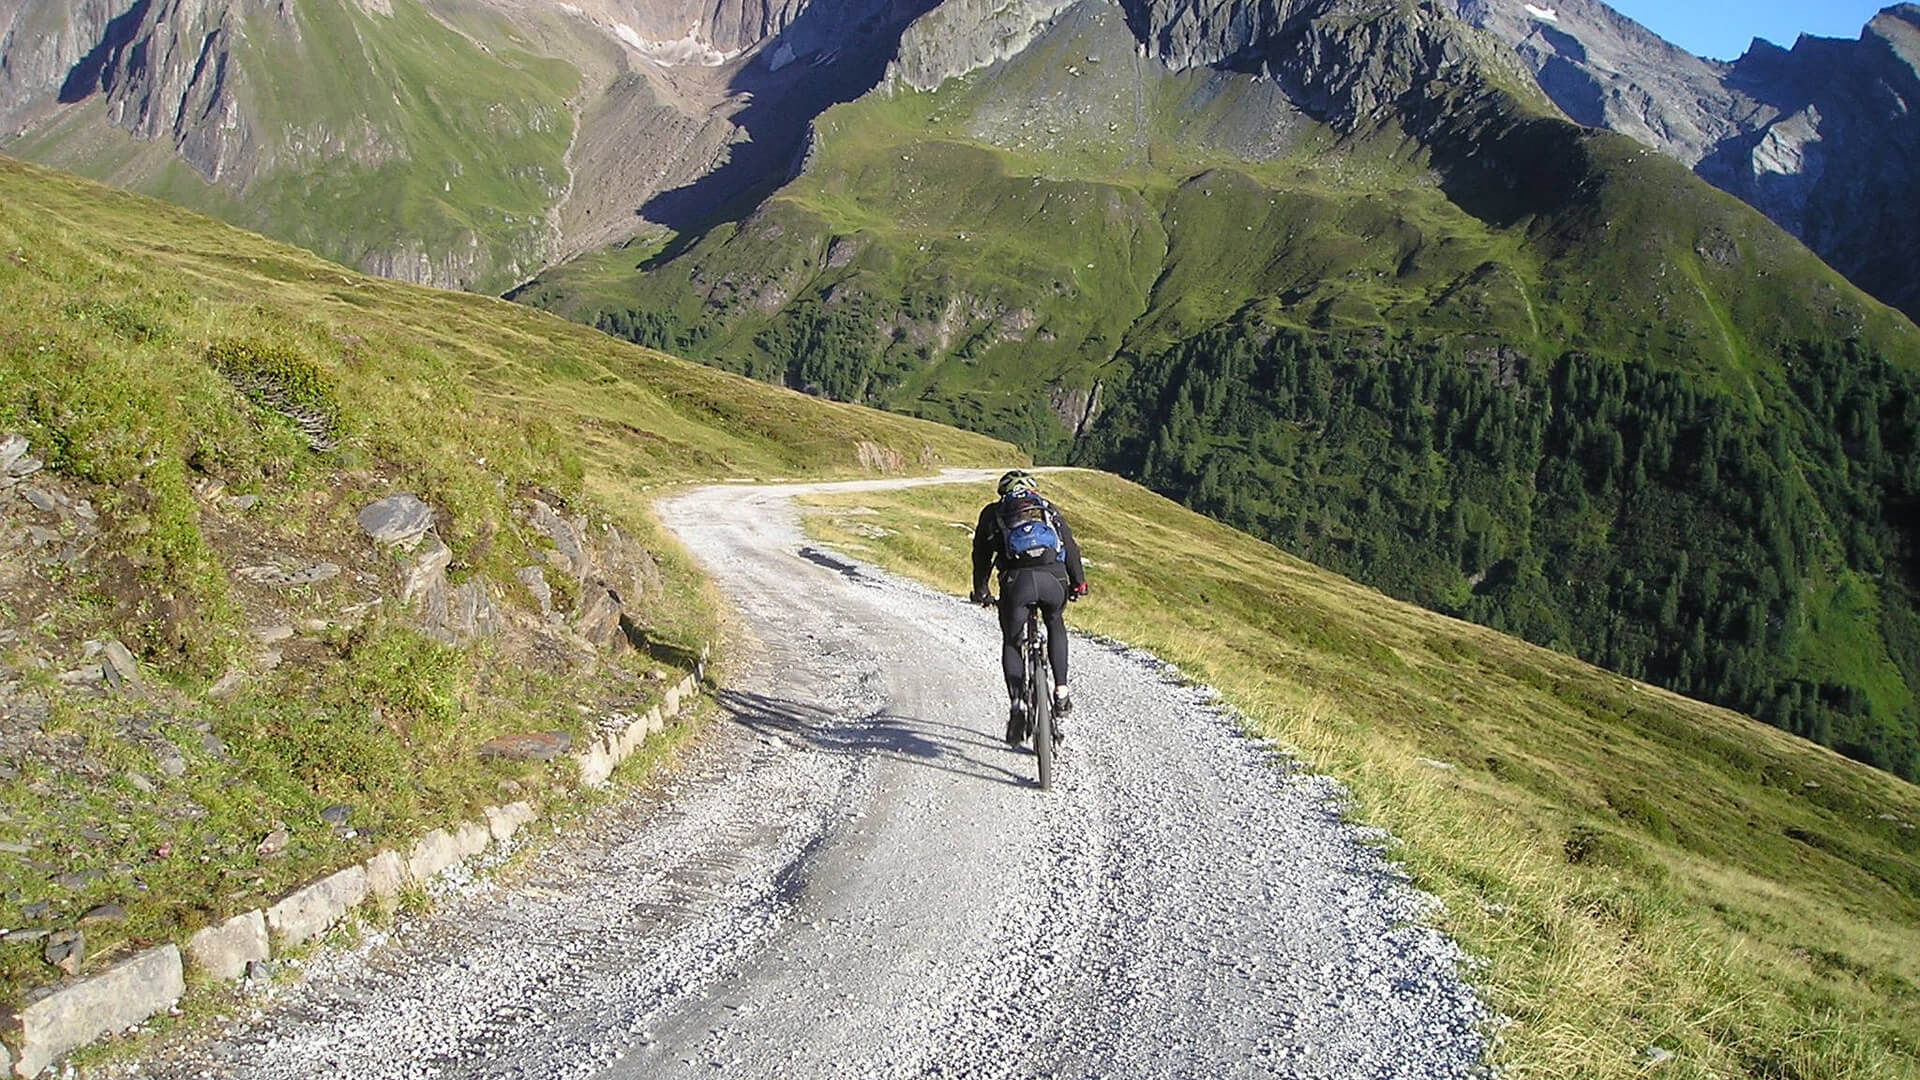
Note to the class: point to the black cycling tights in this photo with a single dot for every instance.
(1020, 590)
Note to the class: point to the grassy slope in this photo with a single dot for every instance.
(111, 301)
(1637, 869)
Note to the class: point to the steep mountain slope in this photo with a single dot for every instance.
(1357, 288)
(1822, 137)
(461, 143)
(488, 140)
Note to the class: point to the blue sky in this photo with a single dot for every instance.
(1722, 28)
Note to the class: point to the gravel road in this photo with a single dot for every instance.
(854, 876)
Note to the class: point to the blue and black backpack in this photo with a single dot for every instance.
(1028, 530)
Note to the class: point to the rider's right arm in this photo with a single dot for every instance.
(985, 544)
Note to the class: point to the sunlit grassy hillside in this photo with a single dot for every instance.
(1637, 869)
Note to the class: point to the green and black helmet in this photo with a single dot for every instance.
(1017, 480)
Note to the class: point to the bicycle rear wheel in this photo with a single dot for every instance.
(1040, 708)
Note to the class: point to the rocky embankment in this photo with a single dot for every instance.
(126, 861)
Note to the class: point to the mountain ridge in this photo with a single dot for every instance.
(724, 91)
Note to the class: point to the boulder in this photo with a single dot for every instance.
(535, 579)
(120, 668)
(569, 553)
(66, 950)
(425, 575)
(471, 839)
(470, 613)
(599, 619)
(386, 876)
(505, 821)
(596, 764)
(431, 854)
(12, 449)
(396, 519)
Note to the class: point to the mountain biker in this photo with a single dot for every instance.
(1044, 576)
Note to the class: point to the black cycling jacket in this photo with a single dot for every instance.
(989, 550)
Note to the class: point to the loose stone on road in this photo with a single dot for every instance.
(854, 876)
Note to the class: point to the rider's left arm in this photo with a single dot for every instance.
(985, 541)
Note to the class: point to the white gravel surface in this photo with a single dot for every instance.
(856, 877)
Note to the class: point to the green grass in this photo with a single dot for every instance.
(147, 352)
(1635, 868)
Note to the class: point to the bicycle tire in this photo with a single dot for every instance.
(1042, 706)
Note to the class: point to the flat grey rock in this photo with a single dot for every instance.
(224, 952)
(119, 665)
(309, 574)
(12, 449)
(66, 950)
(104, 913)
(114, 1000)
(77, 879)
(396, 519)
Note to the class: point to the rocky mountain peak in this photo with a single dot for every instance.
(1821, 137)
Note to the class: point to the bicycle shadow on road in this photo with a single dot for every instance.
(948, 748)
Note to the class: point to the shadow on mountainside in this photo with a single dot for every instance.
(781, 108)
(90, 75)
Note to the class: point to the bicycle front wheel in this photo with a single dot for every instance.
(1042, 712)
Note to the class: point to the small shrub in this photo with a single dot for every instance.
(280, 380)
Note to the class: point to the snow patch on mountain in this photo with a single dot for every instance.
(690, 50)
(1543, 14)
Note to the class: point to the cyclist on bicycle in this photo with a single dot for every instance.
(1025, 537)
